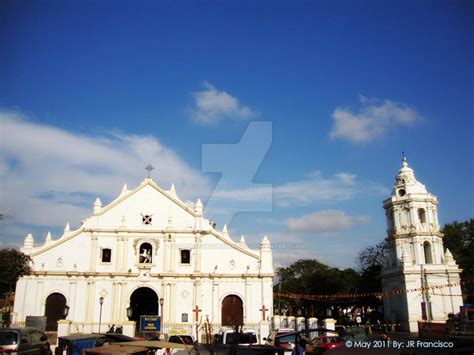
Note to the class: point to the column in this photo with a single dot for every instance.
(291, 322)
(329, 323)
(215, 303)
(267, 301)
(167, 259)
(197, 254)
(117, 257)
(276, 322)
(94, 251)
(300, 323)
(435, 215)
(166, 304)
(39, 298)
(125, 253)
(312, 322)
(115, 302)
(72, 299)
(412, 216)
(173, 254)
(124, 302)
(172, 306)
(90, 301)
(248, 302)
(197, 293)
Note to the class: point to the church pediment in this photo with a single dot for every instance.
(147, 206)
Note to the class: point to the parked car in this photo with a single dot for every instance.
(22, 340)
(326, 342)
(288, 340)
(247, 337)
(352, 333)
(185, 339)
(282, 342)
(74, 344)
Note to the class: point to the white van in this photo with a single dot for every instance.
(228, 336)
(22, 340)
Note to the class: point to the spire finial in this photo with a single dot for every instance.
(404, 159)
(149, 168)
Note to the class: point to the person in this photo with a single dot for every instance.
(145, 256)
(46, 350)
(300, 349)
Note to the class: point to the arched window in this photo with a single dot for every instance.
(422, 215)
(427, 252)
(146, 252)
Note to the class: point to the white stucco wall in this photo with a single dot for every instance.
(72, 265)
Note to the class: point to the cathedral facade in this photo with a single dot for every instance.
(420, 279)
(146, 253)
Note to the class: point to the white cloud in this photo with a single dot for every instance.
(329, 221)
(314, 188)
(50, 176)
(374, 119)
(212, 105)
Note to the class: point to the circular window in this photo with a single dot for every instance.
(401, 192)
(146, 219)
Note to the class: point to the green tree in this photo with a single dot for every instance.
(13, 265)
(309, 276)
(369, 265)
(458, 238)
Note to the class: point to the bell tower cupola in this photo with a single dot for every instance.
(416, 263)
(412, 221)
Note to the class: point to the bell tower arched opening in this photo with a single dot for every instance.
(428, 253)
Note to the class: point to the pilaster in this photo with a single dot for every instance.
(94, 251)
(197, 253)
(90, 291)
(72, 299)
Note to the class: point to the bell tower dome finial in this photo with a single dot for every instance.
(404, 160)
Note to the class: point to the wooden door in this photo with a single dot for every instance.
(54, 311)
(232, 311)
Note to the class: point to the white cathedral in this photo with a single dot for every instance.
(421, 279)
(145, 253)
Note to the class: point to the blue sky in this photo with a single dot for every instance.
(91, 91)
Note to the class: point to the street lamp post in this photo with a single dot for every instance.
(161, 312)
(101, 301)
(129, 312)
(65, 311)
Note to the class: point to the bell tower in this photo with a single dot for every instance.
(423, 277)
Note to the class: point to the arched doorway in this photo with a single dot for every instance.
(144, 302)
(54, 310)
(232, 311)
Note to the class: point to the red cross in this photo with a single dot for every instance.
(197, 310)
(263, 310)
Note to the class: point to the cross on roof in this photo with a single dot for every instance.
(149, 168)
